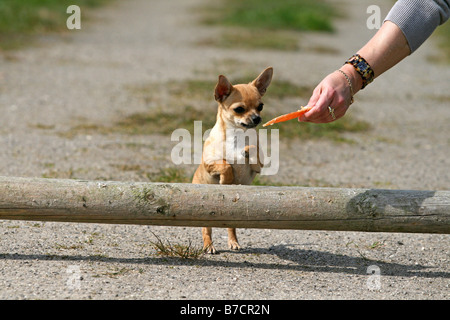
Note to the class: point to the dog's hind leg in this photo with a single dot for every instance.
(232, 239)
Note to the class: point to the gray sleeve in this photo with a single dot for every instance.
(419, 18)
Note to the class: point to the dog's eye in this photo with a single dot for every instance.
(239, 110)
(260, 107)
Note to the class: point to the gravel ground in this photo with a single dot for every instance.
(82, 76)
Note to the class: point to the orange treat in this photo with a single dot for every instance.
(288, 116)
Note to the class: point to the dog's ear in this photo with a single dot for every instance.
(223, 89)
(263, 80)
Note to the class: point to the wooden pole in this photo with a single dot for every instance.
(166, 204)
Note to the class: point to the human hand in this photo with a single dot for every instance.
(330, 99)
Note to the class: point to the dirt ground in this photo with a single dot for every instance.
(82, 77)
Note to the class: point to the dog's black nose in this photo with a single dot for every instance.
(256, 119)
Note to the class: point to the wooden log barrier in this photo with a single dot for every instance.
(171, 204)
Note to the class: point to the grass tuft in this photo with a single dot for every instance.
(166, 249)
(170, 175)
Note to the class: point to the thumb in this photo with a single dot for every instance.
(315, 96)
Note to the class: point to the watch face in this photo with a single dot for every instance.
(362, 66)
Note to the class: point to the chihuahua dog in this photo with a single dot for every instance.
(239, 109)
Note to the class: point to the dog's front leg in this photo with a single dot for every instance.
(223, 169)
(233, 243)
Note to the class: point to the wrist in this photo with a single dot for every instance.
(354, 76)
(363, 68)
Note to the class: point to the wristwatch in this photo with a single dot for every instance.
(363, 68)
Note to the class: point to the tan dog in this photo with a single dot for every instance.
(222, 163)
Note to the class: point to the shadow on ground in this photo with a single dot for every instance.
(300, 260)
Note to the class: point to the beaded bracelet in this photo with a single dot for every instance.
(363, 68)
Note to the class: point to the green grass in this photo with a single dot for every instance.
(163, 121)
(158, 121)
(20, 20)
(265, 24)
(298, 15)
(170, 175)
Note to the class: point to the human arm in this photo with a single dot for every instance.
(388, 47)
(392, 43)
